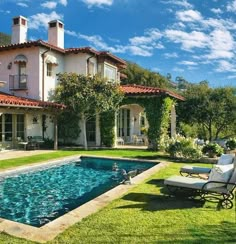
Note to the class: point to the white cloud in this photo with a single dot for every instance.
(63, 2)
(24, 5)
(189, 16)
(49, 5)
(221, 44)
(188, 63)
(216, 10)
(181, 3)
(135, 50)
(231, 77)
(225, 66)
(171, 55)
(150, 36)
(194, 39)
(71, 33)
(231, 6)
(179, 70)
(98, 3)
(98, 42)
(41, 19)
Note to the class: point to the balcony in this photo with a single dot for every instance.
(18, 82)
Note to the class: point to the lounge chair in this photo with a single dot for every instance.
(218, 188)
(196, 171)
(120, 141)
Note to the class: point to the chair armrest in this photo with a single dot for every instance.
(220, 182)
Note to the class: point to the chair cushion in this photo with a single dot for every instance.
(186, 182)
(220, 173)
(190, 169)
(225, 159)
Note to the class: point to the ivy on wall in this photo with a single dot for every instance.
(157, 111)
(107, 124)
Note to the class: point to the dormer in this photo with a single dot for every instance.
(56, 33)
(19, 30)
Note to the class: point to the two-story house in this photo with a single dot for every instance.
(28, 75)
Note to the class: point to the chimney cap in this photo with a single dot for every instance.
(55, 21)
(20, 16)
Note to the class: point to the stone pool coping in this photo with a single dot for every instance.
(50, 230)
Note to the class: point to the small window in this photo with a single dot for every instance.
(60, 25)
(110, 72)
(16, 21)
(49, 69)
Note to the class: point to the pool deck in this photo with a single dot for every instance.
(20, 153)
(49, 231)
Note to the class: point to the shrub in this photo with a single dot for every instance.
(184, 148)
(231, 144)
(48, 143)
(212, 150)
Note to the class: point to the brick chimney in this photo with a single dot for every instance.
(56, 33)
(19, 30)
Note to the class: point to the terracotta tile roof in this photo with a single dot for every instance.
(138, 90)
(82, 50)
(14, 101)
(40, 43)
(110, 55)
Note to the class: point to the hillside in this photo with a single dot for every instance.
(4, 39)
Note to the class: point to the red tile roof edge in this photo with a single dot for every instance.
(11, 100)
(147, 90)
(66, 50)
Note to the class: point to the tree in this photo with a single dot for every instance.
(87, 96)
(211, 108)
(140, 76)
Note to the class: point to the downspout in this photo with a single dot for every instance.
(43, 80)
(88, 63)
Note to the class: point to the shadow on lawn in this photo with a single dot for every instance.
(151, 202)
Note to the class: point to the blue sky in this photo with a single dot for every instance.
(190, 38)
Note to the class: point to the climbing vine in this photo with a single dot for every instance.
(157, 111)
(107, 124)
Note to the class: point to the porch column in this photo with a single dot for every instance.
(173, 122)
(55, 133)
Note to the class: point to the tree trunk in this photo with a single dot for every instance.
(83, 120)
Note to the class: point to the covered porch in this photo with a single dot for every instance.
(141, 111)
(22, 119)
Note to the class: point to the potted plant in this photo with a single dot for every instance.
(212, 150)
(231, 144)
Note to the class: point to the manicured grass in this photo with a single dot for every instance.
(146, 214)
(9, 163)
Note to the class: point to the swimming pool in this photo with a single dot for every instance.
(36, 197)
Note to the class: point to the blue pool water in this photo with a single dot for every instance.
(38, 197)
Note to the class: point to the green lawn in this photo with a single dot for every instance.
(146, 214)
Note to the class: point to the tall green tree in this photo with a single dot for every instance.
(213, 109)
(86, 96)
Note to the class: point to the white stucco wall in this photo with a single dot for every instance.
(32, 70)
(50, 82)
(78, 63)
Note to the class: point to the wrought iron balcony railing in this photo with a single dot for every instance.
(18, 82)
